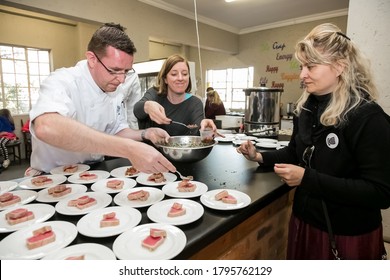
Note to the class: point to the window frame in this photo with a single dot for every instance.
(27, 67)
(230, 90)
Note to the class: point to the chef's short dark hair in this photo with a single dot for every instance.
(111, 34)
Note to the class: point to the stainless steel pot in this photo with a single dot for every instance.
(290, 109)
(262, 111)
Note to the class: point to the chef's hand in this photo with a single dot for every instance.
(248, 150)
(289, 173)
(209, 124)
(149, 160)
(156, 135)
(156, 112)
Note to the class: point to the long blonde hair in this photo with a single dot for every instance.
(215, 98)
(327, 45)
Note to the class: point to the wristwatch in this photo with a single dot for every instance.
(143, 135)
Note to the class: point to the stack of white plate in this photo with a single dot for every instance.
(267, 143)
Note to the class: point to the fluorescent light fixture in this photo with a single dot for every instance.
(228, 1)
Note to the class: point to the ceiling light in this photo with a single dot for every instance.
(228, 1)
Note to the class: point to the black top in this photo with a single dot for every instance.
(189, 112)
(349, 167)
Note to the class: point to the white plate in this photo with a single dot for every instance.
(282, 144)
(155, 195)
(26, 196)
(102, 199)
(159, 212)
(171, 190)
(252, 138)
(225, 139)
(101, 185)
(42, 212)
(267, 145)
(239, 142)
(121, 171)
(89, 225)
(143, 179)
(14, 246)
(268, 140)
(43, 195)
(208, 199)
(7, 186)
(91, 251)
(128, 245)
(226, 131)
(60, 169)
(57, 180)
(75, 178)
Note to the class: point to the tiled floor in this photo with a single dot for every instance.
(17, 171)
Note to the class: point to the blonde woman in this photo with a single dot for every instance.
(338, 156)
(214, 105)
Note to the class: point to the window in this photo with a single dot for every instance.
(229, 83)
(22, 70)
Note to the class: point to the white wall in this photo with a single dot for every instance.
(369, 26)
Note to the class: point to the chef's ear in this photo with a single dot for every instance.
(91, 58)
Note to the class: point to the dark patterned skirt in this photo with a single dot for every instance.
(306, 242)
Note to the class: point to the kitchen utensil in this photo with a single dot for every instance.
(188, 126)
(184, 177)
(186, 148)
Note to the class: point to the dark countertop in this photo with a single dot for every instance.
(223, 168)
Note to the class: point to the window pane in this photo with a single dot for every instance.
(229, 83)
(19, 53)
(238, 95)
(9, 79)
(6, 52)
(20, 67)
(21, 76)
(8, 66)
(32, 55)
(33, 68)
(44, 57)
(22, 80)
(44, 69)
(35, 81)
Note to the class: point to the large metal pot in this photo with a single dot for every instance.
(262, 111)
(186, 148)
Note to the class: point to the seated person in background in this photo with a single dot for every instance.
(79, 116)
(7, 127)
(169, 100)
(214, 105)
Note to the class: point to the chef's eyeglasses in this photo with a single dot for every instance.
(307, 154)
(115, 73)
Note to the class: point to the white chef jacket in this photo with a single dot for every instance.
(131, 90)
(73, 93)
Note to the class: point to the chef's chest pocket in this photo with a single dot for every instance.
(107, 117)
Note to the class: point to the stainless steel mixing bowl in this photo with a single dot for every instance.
(186, 148)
